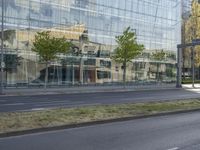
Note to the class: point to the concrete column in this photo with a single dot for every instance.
(179, 68)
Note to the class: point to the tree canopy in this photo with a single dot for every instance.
(128, 48)
(159, 55)
(48, 47)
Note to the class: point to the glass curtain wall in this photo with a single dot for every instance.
(92, 26)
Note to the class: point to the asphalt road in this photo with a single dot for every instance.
(31, 103)
(173, 132)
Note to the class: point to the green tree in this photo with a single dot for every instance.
(127, 49)
(48, 48)
(158, 56)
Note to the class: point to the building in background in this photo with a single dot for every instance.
(191, 31)
(92, 26)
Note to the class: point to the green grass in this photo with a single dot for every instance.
(49, 118)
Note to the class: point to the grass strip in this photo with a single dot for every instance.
(19, 121)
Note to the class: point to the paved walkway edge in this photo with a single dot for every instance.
(34, 92)
(63, 127)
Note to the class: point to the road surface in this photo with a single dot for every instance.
(173, 132)
(40, 102)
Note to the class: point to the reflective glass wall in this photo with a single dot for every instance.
(92, 26)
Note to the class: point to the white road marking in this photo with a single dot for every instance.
(175, 148)
(37, 109)
(15, 104)
(43, 103)
(65, 104)
(49, 108)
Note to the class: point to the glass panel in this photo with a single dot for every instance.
(92, 26)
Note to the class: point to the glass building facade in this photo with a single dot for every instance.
(92, 26)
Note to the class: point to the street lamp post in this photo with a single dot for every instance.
(2, 43)
(193, 67)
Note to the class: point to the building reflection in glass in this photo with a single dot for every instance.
(92, 26)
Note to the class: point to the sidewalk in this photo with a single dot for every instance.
(82, 89)
(189, 86)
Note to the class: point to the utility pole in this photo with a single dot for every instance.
(2, 43)
(193, 67)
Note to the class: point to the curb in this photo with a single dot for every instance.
(61, 92)
(71, 126)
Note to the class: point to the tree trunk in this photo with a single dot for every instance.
(199, 73)
(157, 72)
(46, 76)
(54, 72)
(81, 71)
(124, 74)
